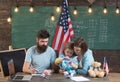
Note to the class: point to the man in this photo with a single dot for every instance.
(40, 58)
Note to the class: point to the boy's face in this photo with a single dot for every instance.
(68, 52)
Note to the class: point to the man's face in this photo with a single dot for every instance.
(42, 45)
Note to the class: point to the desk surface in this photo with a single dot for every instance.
(61, 78)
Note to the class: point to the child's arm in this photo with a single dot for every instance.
(75, 66)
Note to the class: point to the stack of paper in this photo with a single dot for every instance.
(79, 78)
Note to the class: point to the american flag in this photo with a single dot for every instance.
(105, 66)
(64, 31)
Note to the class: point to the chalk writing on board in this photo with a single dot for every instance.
(49, 23)
(51, 27)
(79, 26)
(103, 30)
(95, 29)
(92, 32)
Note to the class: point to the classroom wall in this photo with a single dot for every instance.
(5, 30)
(113, 56)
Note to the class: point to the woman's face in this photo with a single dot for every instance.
(77, 50)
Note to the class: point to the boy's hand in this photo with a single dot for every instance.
(73, 65)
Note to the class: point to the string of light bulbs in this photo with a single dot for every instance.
(58, 10)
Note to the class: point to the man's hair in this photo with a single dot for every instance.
(43, 34)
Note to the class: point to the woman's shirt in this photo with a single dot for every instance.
(87, 59)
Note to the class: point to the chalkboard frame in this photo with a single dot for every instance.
(18, 55)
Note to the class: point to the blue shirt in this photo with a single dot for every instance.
(72, 59)
(65, 63)
(40, 61)
(87, 59)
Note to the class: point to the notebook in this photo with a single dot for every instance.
(14, 76)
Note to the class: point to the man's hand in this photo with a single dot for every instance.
(34, 71)
(47, 72)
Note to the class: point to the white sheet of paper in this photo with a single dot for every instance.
(35, 74)
(79, 78)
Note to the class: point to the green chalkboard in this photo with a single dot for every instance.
(100, 31)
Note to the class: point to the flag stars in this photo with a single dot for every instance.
(63, 20)
(64, 31)
(63, 25)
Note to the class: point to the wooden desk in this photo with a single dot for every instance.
(61, 78)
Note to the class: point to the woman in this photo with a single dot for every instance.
(85, 55)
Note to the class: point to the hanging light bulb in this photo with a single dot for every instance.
(90, 9)
(75, 12)
(117, 10)
(9, 19)
(105, 11)
(58, 9)
(52, 17)
(31, 9)
(16, 9)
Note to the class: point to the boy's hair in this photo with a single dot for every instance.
(81, 43)
(69, 45)
(43, 34)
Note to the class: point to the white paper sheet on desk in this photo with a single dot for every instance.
(79, 78)
(36, 74)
